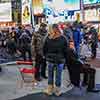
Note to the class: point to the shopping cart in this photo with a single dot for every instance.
(26, 73)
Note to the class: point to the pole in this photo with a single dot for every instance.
(82, 10)
(32, 12)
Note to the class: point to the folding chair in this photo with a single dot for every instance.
(27, 74)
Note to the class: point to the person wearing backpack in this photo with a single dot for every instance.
(25, 45)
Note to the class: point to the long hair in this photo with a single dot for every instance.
(54, 31)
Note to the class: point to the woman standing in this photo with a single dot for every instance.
(55, 52)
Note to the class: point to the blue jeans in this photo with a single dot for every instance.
(51, 68)
(77, 47)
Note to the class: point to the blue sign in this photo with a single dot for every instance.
(48, 11)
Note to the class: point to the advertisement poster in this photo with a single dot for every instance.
(91, 15)
(72, 4)
(91, 1)
(5, 12)
(57, 10)
(26, 12)
(37, 6)
(66, 4)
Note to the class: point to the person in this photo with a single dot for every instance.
(94, 39)
(37, 52)
(73, 66)
(25, 45)
(11, 42)
(89, 78)
(11, 46)
(77, 66)
(14, 34)
(76, 37)
(54, 50)
(68, 32)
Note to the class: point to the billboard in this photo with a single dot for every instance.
(5, 12)
(65, 4)
(72, 4)
(61, 10)
(37, 6)
(91, 15)
(26, 12)
(91, 1)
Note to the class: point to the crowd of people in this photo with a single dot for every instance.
(55, 46)
(14, 41)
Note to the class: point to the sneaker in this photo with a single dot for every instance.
(57, 91)
(49, 90)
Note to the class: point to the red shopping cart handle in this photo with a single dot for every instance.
(27, 70)
(24, 62)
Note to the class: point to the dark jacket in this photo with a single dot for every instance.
(25, 40)
(72, 57)
(38, 41)
(76, 36)
(94, 37)
(68, 33)
(55, 50)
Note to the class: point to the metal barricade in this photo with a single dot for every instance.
(27, 73)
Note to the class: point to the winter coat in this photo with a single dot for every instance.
(72, 56)
(76, 37)
(37, 42)
(24, 40)
(68, 34)
(94, 35)
(55, 50)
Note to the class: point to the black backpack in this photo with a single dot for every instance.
(25, 40)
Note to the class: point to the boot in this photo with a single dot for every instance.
(0, 69)
(49, 90)
(91, 80)
(57, 91)
(37, 75)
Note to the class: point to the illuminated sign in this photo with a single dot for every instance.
(5, 12)
(37, 7)
(91, 15)
(26, 13)
(91, 1)
(72, 4)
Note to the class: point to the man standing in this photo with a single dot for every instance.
(25, 44)
(76, 38)
(94, 39)
(37, 48)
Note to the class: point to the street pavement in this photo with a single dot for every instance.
(10, 82)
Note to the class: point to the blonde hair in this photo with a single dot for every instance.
(50, 29)
(52, 33)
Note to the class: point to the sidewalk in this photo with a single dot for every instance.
(9, 84)
(10, 90)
